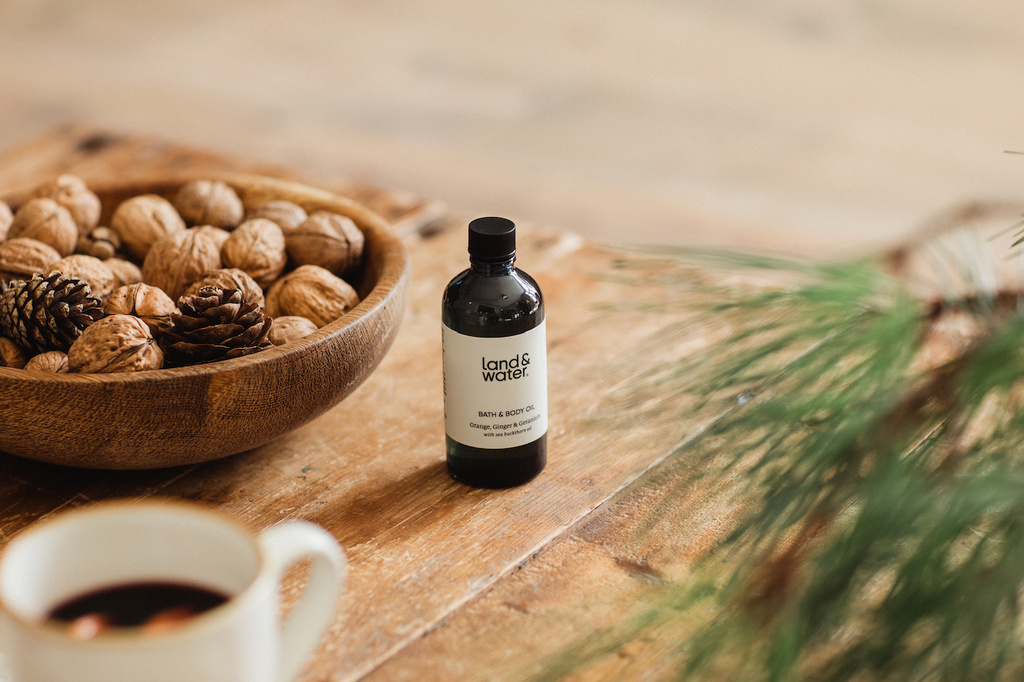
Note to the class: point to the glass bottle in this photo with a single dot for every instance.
(495, 364)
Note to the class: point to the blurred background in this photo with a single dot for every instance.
(827, 127)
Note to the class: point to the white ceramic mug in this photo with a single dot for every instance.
(120, 543)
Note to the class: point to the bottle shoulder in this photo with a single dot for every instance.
(492, 305)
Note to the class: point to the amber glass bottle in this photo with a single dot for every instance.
(495, 364)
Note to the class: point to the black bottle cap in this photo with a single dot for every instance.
(492, 238)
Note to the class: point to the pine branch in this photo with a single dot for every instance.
(887, 541)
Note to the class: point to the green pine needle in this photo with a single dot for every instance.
(887, 537)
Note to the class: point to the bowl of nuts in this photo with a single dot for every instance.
(161, 323)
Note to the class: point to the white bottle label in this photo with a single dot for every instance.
(495, 389)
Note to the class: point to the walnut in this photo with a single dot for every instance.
(71, 192)
(53, 361)
(178, 259)
(46, 221)
(11, 354)
(230, 278)
(209, 202)
(257, 247)
(102, 243)
(311, 291)
(144, 219)
(6, 218)
(125, 272)
(20, 258)
(150, 304)
(118, 343)
(218, 235)
(289, 328)
(286, 214)
(92, 271)
(326, 239)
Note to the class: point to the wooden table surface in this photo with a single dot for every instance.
(829, 128)
(447, 582)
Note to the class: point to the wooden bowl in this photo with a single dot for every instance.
(186, 415)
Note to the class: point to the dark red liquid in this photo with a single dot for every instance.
(136, 604)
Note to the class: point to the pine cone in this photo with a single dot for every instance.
(47, 312)
(215, 324)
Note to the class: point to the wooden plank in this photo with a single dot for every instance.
(789, 124)
(372, 469)
(595, 605)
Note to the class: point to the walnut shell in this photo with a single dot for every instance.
(125, 272)
(326, 239)
(118, 343)
(90, 270)
(20, 258)
(230, 278)
(285, 213)
(52, 361)
(312, 292)
(101, 242)
(218, 235)
(6, 218)
(71, 192)
(256, 247)
(142, 220)
(11, 354)
(148, 303)
(46, 221)
(289, 328)
(209, 202)
(178, 259)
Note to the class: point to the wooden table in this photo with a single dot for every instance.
(447, 582)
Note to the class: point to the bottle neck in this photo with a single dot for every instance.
(491, 268)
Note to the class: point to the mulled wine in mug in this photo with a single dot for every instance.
(161, 591)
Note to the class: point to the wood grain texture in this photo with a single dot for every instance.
(794, 125)
(592, 605)
(371, 470)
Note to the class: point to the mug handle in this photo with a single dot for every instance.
(284, 545)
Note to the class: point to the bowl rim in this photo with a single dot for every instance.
(394, 266)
